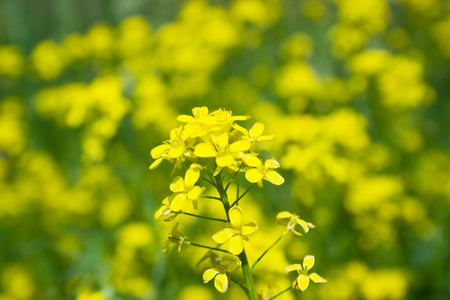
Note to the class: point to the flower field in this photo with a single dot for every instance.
(352, 98)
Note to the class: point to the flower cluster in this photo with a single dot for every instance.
(211, 139)
(217, 149)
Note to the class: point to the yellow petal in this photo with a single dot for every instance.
(253, 175)
(159, 212)
(220, 140)
(316, 278)
(195, 192)
(223, 235)
(200, 112)
(217, 171)
(178, 202)
(266, 137)
(303, 224)
(155, 164)
(240, 118)
(249, 228)
(185, 118)
(256, 131)
(251, 160)
(240, 129)
(174, 133)
(235, 214)
(240, 146)
(191, 177)
(223, 161)
(273, 177)
(294, 267)
(205, 150)
(284, 217)
(176, 151)
(158, 150)
(308, 262)
(209, 274)
(303, 282)
(177, 185)
(272, 164)
(236, 245)
(221, 283)
(187, 132)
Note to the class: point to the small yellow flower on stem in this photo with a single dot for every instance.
(172, 150)
(221, 272)
(237, 231)
(303, 278)
(225, 154)
(185, 189)
(254, 134)
(290, 220)
(176, 237)
(257, 171)
(166, 211)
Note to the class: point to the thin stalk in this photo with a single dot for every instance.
(247, 276)
(207, 247)
(243, 256)
(240, 197)
(277, 295)
(207, 180)
(240, 283)
(203, 217)
(267, 250)
(211, 197)
(229, 183)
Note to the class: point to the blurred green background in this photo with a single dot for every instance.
(356, 92)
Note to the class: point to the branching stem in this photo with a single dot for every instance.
(207, 247)
(203, 217)
(267, 250)
(282, 292)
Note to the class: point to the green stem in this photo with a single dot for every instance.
(247, 276)
(209, 181)
(240, 197)
(240, 283)
(207, 247)
(267, 250)
(277, 295)
(243, 256)
(212, 197)
(203, 217)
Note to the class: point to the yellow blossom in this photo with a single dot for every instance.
(303, 278)
(237, 231)
(221, 272)
(257, 171)
(290, 220)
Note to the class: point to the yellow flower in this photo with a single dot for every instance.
(285, 218)
(172, 150)
(254, 134)
(257, 171)
(165, 210)
(220, 273)
(202, 123)
(225, 154)
(176, 237)
(303, 278)
(185, 189)
(237, 231)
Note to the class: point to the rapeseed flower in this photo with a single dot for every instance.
(220, 273)
(303, 278)
(257, 171)
(237, 231)
(290, 220)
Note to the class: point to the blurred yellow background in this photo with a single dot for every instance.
(355, 91)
